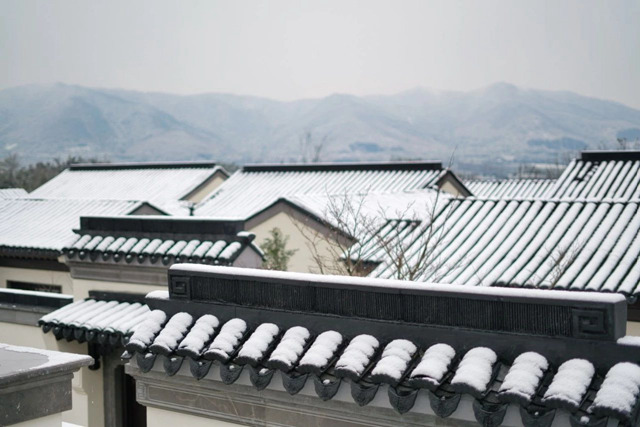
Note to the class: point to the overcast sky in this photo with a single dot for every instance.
(298, 49)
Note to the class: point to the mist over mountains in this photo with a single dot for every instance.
(499, 126)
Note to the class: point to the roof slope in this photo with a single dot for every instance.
(509, 188)
(12, 193)
(47, 224)
(155, 182)
(600, 175)
(254, 188)
(577, 245)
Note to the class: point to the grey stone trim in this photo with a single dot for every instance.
(23, 314)
(243, 404)
(35, 399)
(35, 383)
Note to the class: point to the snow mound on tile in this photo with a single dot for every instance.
(259, 341)
(357, 356)
(200, 334)
(227, 340)
(435, 363)
(147, 331)
(525, 375)
(291, 346)
(620, 388)
(173, 332)
(571, 382)
(395, 359)
(475, 369)
(322, 349)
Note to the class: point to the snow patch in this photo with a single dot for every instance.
(158, 295)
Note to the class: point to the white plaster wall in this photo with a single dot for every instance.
(87, 395)
(206, 189)
(448, 187)
(302, 261)
(45, 277)
(81, 287)
(633, 328)
(54, 420)
(161, 418)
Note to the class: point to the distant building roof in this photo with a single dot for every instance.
(589, 245)
(255, 187)
(12, 193)
(509, 188)
(600, 175)
(159, 183)
(40, 227)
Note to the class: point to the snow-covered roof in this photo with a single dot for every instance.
(29, 224)
(600, 175)
(369, 349)
(106, 322)
(254, 188)
(159, 183)
(588, 245)
(12, 193)
(157, 250)
(509, 188)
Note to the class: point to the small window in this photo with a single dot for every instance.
(39, 287)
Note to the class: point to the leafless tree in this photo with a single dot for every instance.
(310, 148)
(408, 241)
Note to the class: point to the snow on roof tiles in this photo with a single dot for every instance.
(251, 190)
(509, 188)
(155, 250)
(161, 185)
(573, 245)
(95, 321)
(47, 224)
(599, 177)
(12, 193)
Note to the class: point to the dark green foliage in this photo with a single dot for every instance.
(276, 254)
(30, 177)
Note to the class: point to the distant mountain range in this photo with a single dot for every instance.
(499, 125)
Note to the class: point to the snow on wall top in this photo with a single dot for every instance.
(249, 191)
(357, 360)
(48, 224)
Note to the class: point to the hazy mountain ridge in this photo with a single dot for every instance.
(498, 123)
